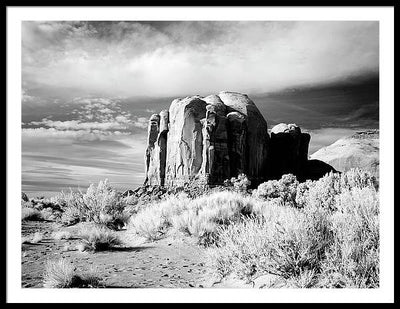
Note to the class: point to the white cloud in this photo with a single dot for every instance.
(141, 122)
(77, 125)
(204, 57)
(25, 97)
(54, 136)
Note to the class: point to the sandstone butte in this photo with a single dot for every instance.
(213, 138)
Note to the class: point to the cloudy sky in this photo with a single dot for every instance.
(88, 88)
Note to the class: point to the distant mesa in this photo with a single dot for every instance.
(358, 150)
(213, 138)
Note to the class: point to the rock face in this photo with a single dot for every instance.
(206, 139)
(360, 150)
(156, 150)
(288, 150)
(249, 135)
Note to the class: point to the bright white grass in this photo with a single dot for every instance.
(59, 274)
(62, 273)
(153, 221)
(99, 238)
(199, 217)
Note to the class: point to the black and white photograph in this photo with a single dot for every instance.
(193, 154)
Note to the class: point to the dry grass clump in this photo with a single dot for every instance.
(153, 221)
(99, 238)
(197, 217)
(62, 274)
(204, 214)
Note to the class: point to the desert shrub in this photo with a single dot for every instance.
(59, 200)
(319, 243)
(302, 193)
(99, 238)
(284, 189)
(197, 217)
(103, 204)
(322, 193)
(31, 214)
(240, 183)
(62, 274)
(353, 258)
(48, 214)
(283, 241)
(357, 178)
(71, 214)
(268, 190)
(206, 213)
(100, 204)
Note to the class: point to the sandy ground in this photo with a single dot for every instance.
(167, 263)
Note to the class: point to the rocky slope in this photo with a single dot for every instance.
(360, 150)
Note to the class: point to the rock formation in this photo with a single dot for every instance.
(360, 150)
(156, 150)
(206, 139)
(288, 150)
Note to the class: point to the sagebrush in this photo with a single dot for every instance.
(100, 204)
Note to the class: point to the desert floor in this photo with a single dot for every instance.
(167, 263)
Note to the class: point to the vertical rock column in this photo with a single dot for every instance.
(256, 137)
(237, 143)
(161, 147)
(150, 157)
(215, 165)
